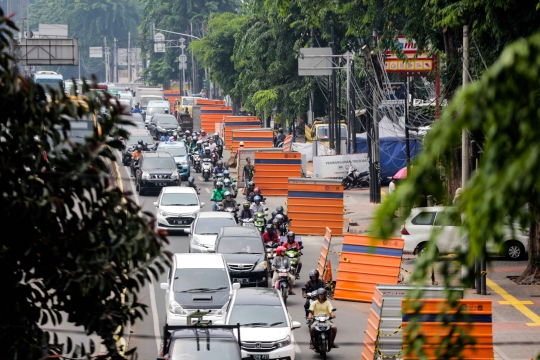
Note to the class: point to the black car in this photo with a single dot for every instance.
(244, 252)
(132, 141)
(156, 170)
(162, 124)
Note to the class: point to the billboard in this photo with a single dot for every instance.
(56, 52)
(415, 62)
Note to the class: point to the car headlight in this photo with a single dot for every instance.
(174, 175)
(145, 176)
(284, 342)
(185, 163)
(175, 308)
(163, 213)
(261, 266)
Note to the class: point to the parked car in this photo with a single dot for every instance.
(243, 249)
(266, 328)
(162, 124)
(417, 229)
(155, 171)
(204, 230)
(135, 135)
(181, 157)
(177, 207)
(197, 282)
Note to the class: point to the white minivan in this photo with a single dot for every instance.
(197, 283)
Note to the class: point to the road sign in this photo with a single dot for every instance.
(159, 38)
(96, 52)
(410, 65)
(182, 58)
(315, 62)
(159, 47)
(394, 94)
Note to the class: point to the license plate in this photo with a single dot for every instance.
(260, 357)
(240, 280)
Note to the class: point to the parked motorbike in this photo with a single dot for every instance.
(354, 178)
(322, 334)
(206, 168)
(282, 284)
(294, 255)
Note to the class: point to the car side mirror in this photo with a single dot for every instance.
(187, 231)
(202, 204)
(155, 204)
(164, 286)
(236, 286)
(296, 325)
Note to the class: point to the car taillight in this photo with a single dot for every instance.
(404, 230)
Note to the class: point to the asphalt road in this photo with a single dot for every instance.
(351, 318)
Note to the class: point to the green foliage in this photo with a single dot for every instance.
(72, 243)
(500, 111)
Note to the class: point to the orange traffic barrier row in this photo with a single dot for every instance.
(365, 262)
(238, 122)
(171, 96)
(437, 318)
(287, 143)
(252, 138)
(321, 263)
(201, 101)
(372, 331)
(324, 200)
(273, 169)
(210, 115)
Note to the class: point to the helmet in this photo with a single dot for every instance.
(279, 209)
(226, 182)
(314, 272)
(241, 143)
(219, 185)
(199, 142)
(289, 234)
(279, 218)
(139, 147)
(280, 251)
(194, 133)
(275, 222)
(220, 162)
(269, 227)
(321, 291)
(207, 149)
(188, 132)
(274, 213)
(280, 130)
(246, 205)
(257, 198)
(202, 131)
(257, 190)
(227, 193)
(225, 172)
(251, 183)
(191, 180)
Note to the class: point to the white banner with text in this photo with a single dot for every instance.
(337, 166)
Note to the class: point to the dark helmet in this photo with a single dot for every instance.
(251, 183)
(269, 227)
(275, 222)
(220, 162)
(279, 209)
(279, 218)
(314, 272)
(246, 205)
(274, 213)
(191, 180)
(139, 147)
(280, 130)
(219, 185)
(226, 172)
(321, 291)
(289, 234)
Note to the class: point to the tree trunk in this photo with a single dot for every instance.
(533, 266)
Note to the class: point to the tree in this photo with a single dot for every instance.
(501, 111)
(72, 243)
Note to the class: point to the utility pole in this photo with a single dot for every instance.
(348, 101)
(375, 123)
(79, 65)
(106, 51)
(338, 112)
(193, 81)
(407, 145)
(334, 97)
(115, 59)
(129, 56)
(352, 126)
(464, 133)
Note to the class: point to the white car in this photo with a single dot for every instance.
(417, 229)
(266, 328)
(197, 283)
(177, 207)
(204, 230)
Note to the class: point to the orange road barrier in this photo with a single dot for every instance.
(321, 263)
(238, 122)
(252, 138)
(314, 205)
(365, 262)
(473, 317)
(201, 101)
(171, 96)
(372, 331)
(273, 169)
(210, 115)
(287, 143)
(328, 272)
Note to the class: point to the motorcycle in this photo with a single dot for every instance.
(219, 206)
(270, 255)
(260, 221)
(355, 178)
(247, 222)
(232, 189)
(206, 168)
(294, 255)
(232, 210)
(311, 296)
(196, 162)
(322, 334)
(282, 284)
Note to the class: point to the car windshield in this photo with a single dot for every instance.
(155, 163)
(240, 245)
(176, 151)
(134, 139)
(170, 199)
(200, 279)
(204, 348)
(258, 315)
(146, 99)
(52, 83)
(156, 110)
(211, 226)
(166, 120)
(323, 132)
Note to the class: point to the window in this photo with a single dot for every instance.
(270, 315)
(211, 226)
(204, 348)
(240, 245)
(187, 279)
(156, 110)
(53, 83)
(166, 120)
(160, 163)
(424, 218)
(445, 218)
(176, 151)
(169, 199)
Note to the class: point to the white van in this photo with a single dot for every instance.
(197, 282)
(48, 78)
(157, 107)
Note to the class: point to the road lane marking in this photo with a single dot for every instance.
(207, 190)
(515, 302)
(297, 348)
(526, 302)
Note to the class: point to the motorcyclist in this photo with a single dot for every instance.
(219, 169)
(270, 236)
(280, 137)
(229, 186)
(135, 156)
(198, 147)
(137, 109)
(250, 188)
(191, 184)
(280, 261)
(257, 192)
(280, 210)
(219, 177)
(257, 206)
(211, 144)
(143, 145)
(202, 135)
(229, 202)
(314, 283)
(217, 195)
(246, 212)
(227, 175)
(291, 243)
(281, 227)
(319, 307)
(273, 216)
(219, 143)
(276, 225)
(206, 154)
